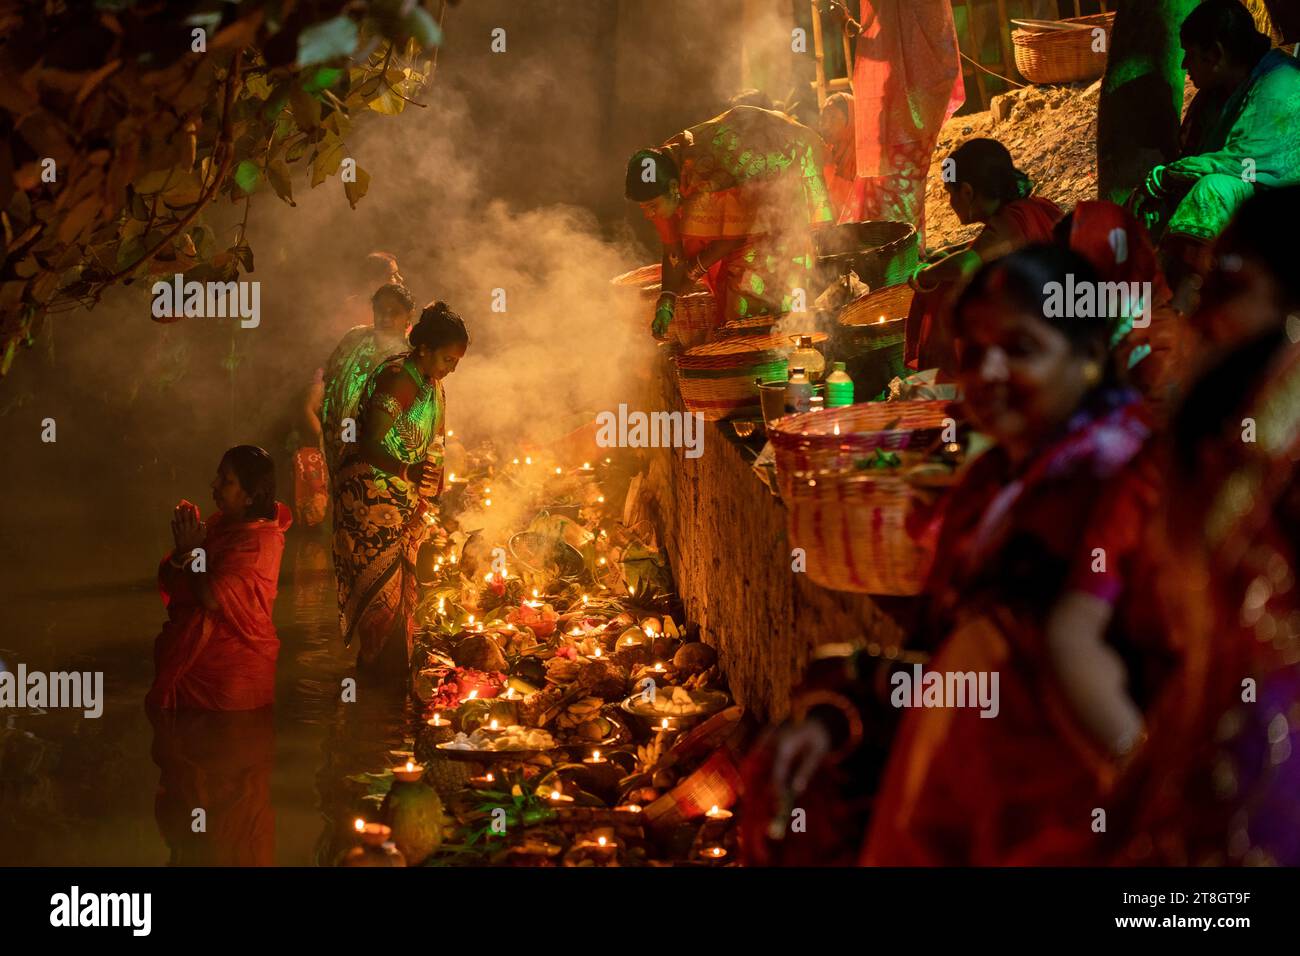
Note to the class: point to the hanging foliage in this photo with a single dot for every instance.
(124, 120)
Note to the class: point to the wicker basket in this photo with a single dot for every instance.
(882, 252)
(717, 380)
(645, 280)
(754, 325)
(872, 534)
(834, 439)
(1062, 56)
(696, 314)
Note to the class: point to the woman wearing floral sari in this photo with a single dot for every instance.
(734, 201)
(383, 486)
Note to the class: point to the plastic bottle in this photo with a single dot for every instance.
(808, 358)
(839, 387)
(798, 391)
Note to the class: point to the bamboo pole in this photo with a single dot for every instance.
(819, 57)
(974, 46)
(1004, 40)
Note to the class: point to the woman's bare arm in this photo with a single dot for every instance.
(1090, 673)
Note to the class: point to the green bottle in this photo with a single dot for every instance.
(839, 387)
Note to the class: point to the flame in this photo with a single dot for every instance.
(359, 824)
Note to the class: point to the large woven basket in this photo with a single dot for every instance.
(872, 534)
(717, 379)
(873, 350)
(882, 252)
(1062, 55)
(835, 439)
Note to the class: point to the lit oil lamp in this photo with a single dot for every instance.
(714, 852)
(559, 470)
(515, 462)
(666, 725)
(483, 782)
(659, 667)
(601, 562)
(596, 653)
(558, 796)
(600, 499)
(528, 460)
(629, 808)
(450, 433)
(487, 502)
(609, 461)
(410, 772)
(717, 813)
(595, 758)
(437, 720)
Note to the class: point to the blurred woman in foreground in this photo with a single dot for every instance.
(384, 487)
(1219, 780)
(218, 649)
(959, 788)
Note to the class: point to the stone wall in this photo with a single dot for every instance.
(725, 535)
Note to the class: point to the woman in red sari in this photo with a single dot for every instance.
(983, 187)
(218, 649)
(959, 788)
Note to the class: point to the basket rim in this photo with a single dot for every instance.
(824, 421)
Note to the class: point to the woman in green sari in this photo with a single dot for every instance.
(385, 484)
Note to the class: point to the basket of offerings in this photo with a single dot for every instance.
(845, 439)
(872, 532)
(1061, 51)
(882, 252)
(509, 743)
(717, 379)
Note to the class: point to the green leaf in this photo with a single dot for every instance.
(246, 175)
(327, 41)
(322, 79)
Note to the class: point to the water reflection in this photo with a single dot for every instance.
(274, 783)
(214, 793)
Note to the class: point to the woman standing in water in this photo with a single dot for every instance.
(218, 649)
(382, 484)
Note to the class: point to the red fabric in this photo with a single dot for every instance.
(907, 81)
(929, 342)
(1120, 249)
(1018, 788)
(225, 659)
(310, 486)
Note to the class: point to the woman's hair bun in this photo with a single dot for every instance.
(438, 326)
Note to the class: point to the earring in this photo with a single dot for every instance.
(1091, 373)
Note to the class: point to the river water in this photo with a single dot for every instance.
(272, 786)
